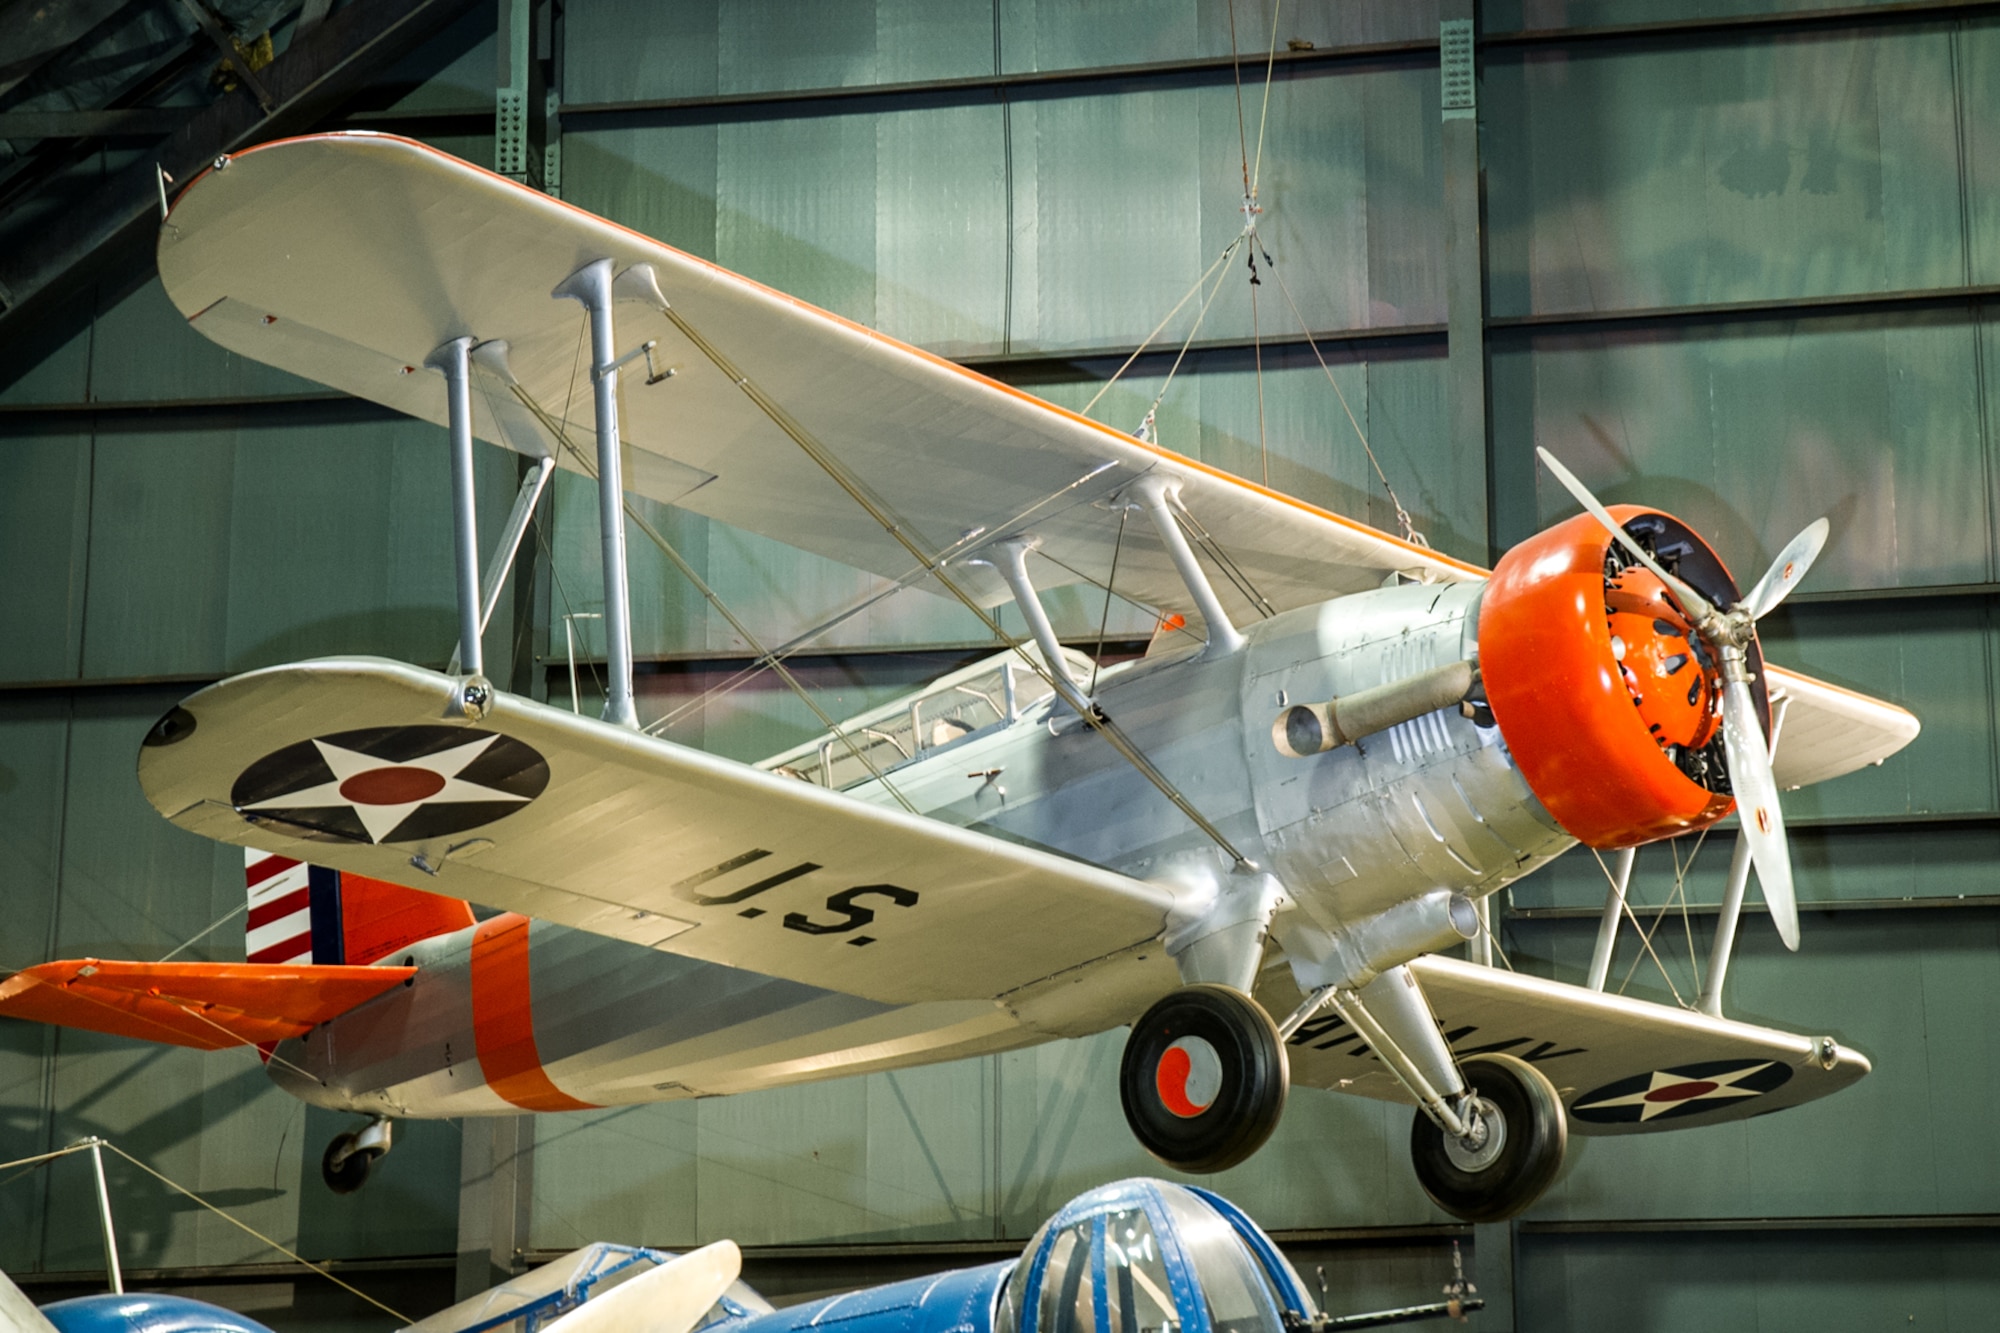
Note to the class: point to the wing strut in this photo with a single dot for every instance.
(591, 286)
(1013, 566)
(453, 360)
(1223, 637)
(1607, 925)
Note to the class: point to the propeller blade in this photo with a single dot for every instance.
(1757, 806)
(1693, 601)
(1787, 570)
(670, 1299)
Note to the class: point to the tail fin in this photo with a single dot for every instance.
(302, 913)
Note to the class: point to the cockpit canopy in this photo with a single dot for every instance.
(1146, 1256)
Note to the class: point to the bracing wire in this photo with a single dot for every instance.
(1646, 933)
(910, 577)
(208, 930)
(714, 599)
(173, 1037)
(901, 533)
(1110, 582)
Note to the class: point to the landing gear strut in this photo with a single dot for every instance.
(1203, 1078)
(1513, 1147)
(352, 1155)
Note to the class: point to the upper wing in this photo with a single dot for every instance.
(563, 818)
(204, 1005)
(1621, 1066)
(346, 258)
(1829, 731)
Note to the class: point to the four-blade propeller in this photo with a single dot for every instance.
(1729, 633)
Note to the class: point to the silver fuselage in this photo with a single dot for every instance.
(1431, 803)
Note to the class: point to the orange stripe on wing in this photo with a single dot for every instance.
(503, 1022)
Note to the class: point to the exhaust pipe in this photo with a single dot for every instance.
(1309, 729)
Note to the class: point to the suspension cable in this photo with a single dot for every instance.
(1403, 519)
(1139, 351)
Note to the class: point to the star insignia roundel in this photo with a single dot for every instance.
(1688, 1090)
(391, 784)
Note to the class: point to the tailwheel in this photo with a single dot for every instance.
(1519, 1134)
(1203, 1079)
(351, 1156)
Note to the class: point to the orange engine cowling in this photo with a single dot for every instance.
(1606, 698)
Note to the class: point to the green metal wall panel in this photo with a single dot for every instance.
(1793, 1281)
(34, 757)
(941, 242)
(1537, 15)
(143, 351)
(1933, 657)
(1871, 863)
(1910, 989)
(1636, 176)
(624, 50)
(1750, 431)
(58, 371)
(217, 550)
(795, 208)
(44, 535)
(659, 181)
(1978, 73)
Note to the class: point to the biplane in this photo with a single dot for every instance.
(1256, 846)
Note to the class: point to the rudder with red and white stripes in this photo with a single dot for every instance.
(279, 928)
(303, 913)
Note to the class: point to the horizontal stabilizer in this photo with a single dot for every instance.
(204, 1005)
(1621, 1066)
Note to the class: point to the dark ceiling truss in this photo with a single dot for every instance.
(131, 89)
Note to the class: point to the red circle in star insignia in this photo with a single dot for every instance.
(1680, 1092)
(392, 786)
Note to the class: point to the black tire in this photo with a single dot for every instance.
(1536, 1134)
(1243, 1074)
(352, 1173)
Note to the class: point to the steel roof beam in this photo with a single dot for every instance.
(305, 84)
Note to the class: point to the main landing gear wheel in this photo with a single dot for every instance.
(1522, 1134)
(351, 1156)
(1203, 1079)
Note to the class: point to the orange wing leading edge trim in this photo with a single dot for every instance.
(204, 1005)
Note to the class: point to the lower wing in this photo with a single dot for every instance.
(1621, 1066)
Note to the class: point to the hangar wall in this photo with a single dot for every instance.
(1737, 263)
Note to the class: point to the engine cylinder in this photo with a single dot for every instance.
(1607, 699)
